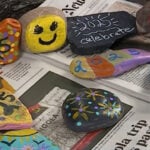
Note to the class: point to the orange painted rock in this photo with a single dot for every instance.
(10, 31)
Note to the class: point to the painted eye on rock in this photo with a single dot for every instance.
(53, 26)
(38, 29)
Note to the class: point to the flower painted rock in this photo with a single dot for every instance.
(97, 32)
(91, 109)
(44, 30)
(108, 64)
(143, 19)
(13, 114)
(10, 32)
(26, 139)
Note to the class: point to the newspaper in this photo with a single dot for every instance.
(132, 133)
(42, 88)
(42, 82)
(136, 82)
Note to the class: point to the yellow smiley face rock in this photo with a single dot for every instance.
(44, 30)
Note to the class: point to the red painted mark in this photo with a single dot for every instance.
(34, 108)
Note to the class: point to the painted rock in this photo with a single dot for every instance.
(13, 114)
(143, 19)
(44, 30)
(5, 85)
(26, 139)
(16, 8)
(10, 31)
(91, 109)
(97, 32)
(108, 64)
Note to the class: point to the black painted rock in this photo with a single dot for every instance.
(91, 109)
(16, 8)
(97, 32)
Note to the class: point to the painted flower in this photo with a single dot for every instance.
(93, 94)
(110, 109)
(76, 99)
(82, 111)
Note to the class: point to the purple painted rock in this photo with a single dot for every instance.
(108, 64)
(97, 32)
(91, 109)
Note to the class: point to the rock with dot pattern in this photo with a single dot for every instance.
(10, 31)
(91, 109)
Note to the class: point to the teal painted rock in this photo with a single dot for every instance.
(27, 139)
(91, 109)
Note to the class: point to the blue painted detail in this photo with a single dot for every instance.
(79, 68)
(67, 106)
(89, 102)
(69, 114)
(114, 56)
(105, 93)
(79, 123)
(133, 52)
(97, 113)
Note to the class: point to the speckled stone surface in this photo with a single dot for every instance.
(97, 32)
(91, 109)
(143, 19)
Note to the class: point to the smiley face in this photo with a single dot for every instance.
(45, 33)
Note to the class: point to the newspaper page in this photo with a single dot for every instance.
(22, 73)
(43, 93)
(135, 82)
(132, 133)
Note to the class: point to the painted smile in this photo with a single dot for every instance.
(42, 42)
